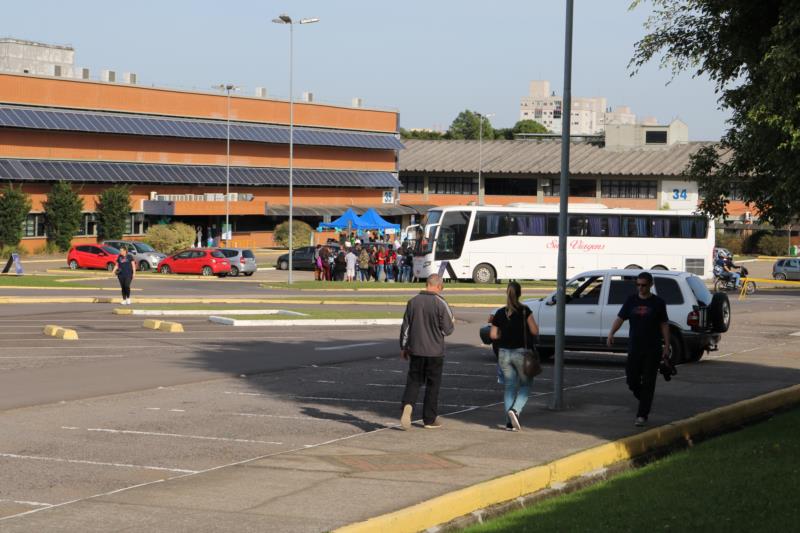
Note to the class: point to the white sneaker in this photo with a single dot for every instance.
(129, 301)
(640, 421)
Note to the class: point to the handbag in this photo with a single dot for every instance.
(531, 365)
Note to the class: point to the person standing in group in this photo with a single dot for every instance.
(510, 326)
(317, 263)
(199, 237)
(380, 263)
(351, 260)
(363, 264)
(426, 322)
(125, 272)
(325, 254)
(408, 265)
(648, 342)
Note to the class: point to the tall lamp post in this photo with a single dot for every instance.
(481, 117)
(226, 231)
(286, 19)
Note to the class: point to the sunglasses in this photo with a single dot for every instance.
(642, 284)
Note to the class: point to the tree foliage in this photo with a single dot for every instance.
(14, 208)
(170, 238)
(114, 212)
(751, 50)
(528, 126)
(63, 213)
(421, 134)
(467, 126)
(301, 234)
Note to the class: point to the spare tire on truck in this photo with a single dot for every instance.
(720, 312)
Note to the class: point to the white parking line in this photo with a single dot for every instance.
(31, 504)
(177, 435)
(795, 334)
(345, 346)
(97, 463)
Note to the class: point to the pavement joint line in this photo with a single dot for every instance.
(178, 435)
(344, 347)
(95, 463)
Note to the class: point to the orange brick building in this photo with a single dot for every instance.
(170, 147)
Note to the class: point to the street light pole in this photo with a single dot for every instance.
(481, 195)
(286, 19)
(227, 87)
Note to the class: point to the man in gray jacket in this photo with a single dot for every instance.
(427, 321)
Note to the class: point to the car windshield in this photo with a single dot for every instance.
(248, 254)
(110, 250)
(143, 248)
(217, 253)
(699, 289)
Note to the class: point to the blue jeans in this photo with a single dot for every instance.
(736, 276)
(378, 272)
(405, 273)
(518, 386)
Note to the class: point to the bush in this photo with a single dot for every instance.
(14, 208)
(170, 238)
(773, 245)
(113, 212)
(63, 213)
(731, 241)
(6, 251)
(301, 234)
(48, 248)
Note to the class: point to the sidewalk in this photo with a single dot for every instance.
(351, 479)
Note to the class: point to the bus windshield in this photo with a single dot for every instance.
(452, 233)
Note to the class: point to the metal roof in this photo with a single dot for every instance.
(336, 210)
(535, 157)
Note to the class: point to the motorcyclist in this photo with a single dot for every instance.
(724, 268)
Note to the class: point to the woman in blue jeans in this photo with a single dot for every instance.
(509, 327)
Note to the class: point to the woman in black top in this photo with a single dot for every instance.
(125, 273)
(509, 327)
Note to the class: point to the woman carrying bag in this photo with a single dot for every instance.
(516, 361)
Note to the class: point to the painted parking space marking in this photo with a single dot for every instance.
(94, 463)
(177, 435)
(28, 503)
(795, 334)
(346, 346)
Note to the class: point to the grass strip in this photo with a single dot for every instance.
(39, 281)
(320, 313)
(373, 285)
(742, 481)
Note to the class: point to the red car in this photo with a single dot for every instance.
(208, 262)
(92, 256)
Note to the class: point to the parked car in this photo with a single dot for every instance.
(786, 269)
(92, 256)
(242, 260)
(697, 319)
(302, 258)
(205, 261)
(145, 255)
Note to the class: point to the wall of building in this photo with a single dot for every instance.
(35, 58)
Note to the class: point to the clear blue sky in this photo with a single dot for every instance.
(429, 59)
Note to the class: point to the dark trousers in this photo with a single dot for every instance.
(427, 370)
(125, 285)
(641, 371)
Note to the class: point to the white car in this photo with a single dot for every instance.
(697, 318)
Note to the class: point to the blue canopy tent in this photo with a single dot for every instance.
(372, 220)
(349, 220)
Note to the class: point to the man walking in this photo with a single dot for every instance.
(427, 321)
(648, 327)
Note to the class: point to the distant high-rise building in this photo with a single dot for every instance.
(589, 115)
(29, 57)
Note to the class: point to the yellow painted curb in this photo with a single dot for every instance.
(119, 311)
(151, 323)
(171, 327)
(60, 333)
(447, 507)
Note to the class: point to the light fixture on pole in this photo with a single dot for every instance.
(226, 229)
(481, 187)
(286, 19)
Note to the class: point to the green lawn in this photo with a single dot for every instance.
(373, 285)
(39, 281)
(320, 313)
(743, 481)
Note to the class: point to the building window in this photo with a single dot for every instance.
(655, 137)
(577, 188)
(644, 189)
(412, 184)
(33, 226)
(135, 224)
(88, 225)
(453, 185)
(511, 186)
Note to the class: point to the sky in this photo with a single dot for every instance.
(428, 59)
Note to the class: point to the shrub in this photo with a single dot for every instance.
(63, 212)
(731, 241)
(170, 238)
(6, 251)
(114, 212)
(301, 234)
(14, 208)
(773, 245)
(48, 248)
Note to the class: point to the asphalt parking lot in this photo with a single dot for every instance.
(105, 427)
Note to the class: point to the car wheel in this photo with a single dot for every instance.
(144, 266)
(695, 355)
(110, 267)
(780, 276)
(676, 347)
(484, 273)
(165, 269)
(659, 267)
(249, 273)
(73, 265)
(633, 267)
(234, 271)
(283, 265)
(720, 312)
(207, 271)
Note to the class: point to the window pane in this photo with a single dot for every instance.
(669, 290)
(489, 225)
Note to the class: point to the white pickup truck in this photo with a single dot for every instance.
(697, 318)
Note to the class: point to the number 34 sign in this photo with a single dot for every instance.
(679, 194)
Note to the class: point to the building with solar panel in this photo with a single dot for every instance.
(170, 147)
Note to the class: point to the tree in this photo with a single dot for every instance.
(301, 234)
(420, 134)
(467, 126)
(14, 208)
(114, 212)
(63, 213)
(528, 126)
(751, 50)
(170, 238)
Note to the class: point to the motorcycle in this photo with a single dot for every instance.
(726, 284)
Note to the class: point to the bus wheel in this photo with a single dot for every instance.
(633, 267)
(659, 267)
(484, 273)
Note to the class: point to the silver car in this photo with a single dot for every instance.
(786, 269)
(242, 260)
(147, 257)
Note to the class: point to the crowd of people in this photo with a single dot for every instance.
(368, 261)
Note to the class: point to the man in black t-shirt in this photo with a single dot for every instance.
(648, 338)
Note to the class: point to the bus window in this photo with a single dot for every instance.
(526, 224)
(693, 227)
(489, 225)
(452, 233)
(578, 225)
(634, 227)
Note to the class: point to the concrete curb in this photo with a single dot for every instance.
(60, 333)
(448, 507)
(203, 312)
(162, 325)
(225, 321)
(167, 301)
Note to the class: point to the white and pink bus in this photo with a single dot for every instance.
(520, 241)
